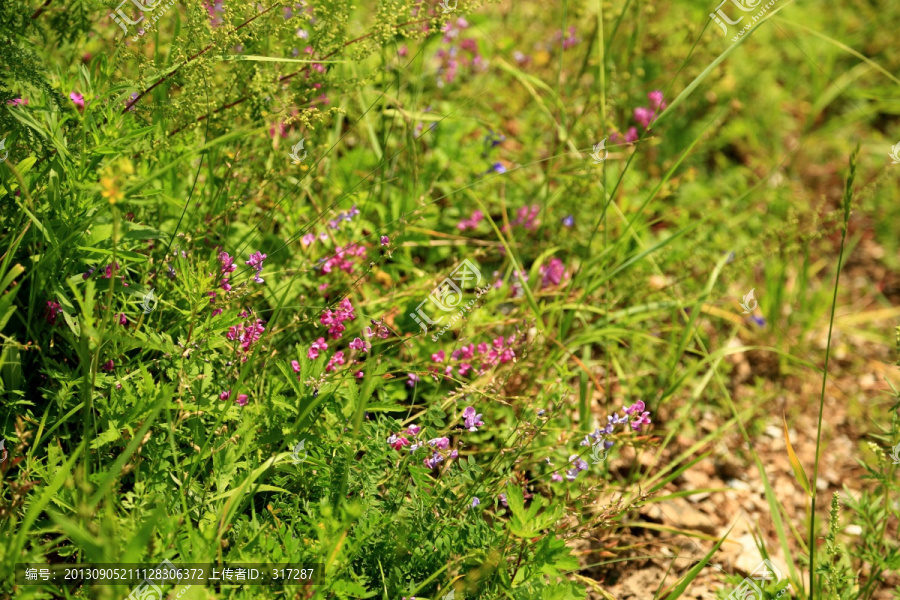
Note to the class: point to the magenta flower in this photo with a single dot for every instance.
(314, 349)
(335, 319)
(644, 116)
(78, 100)
(123, 320)
(472, 222)
(227, 263)
(108, 366)
(52, 312)
(442, 443)
(473, 421)
(17, 102)
(336, 360)
(413, 379)
(246, 334)
(556, 476)
(552, 273)
(503, 500)
(398, 441)
(385, 240)
(225, 395)
(241, 400)
(464, 353)
(643, 419)
(656, 100)
(635, 408)
(438, 356)
(358, 344)
(295, 365)
(308, 239)
(413, 430)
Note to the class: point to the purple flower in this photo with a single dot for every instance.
(413, 379)
(568, 221)
(108, 366)
(385, 240)
(413, 430)
(498, 167)
(438, 356)
(441, 443)
(432, 462)
(615, 419)
(225, 395)
(475, 502)
(556, 476)
(503, 500)
(758, 320)
(256, 262)
(578, 465)
(241, 400)
(473, 421)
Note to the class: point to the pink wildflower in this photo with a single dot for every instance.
(52, 312)
(241, 400)
(336, 360)
(78, 100)
(314, 349)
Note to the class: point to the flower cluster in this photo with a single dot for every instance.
(342, 258)
(53, 311)
(567, 41)
(472, 222)
(345, 216)
(526, 216)
(644, 115)
(499, 352)
(335, 319)
(450, 59)
(256, 262)
(398, 441)
(552, 272)
(246, 333)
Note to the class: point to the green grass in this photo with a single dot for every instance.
(744, 181)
